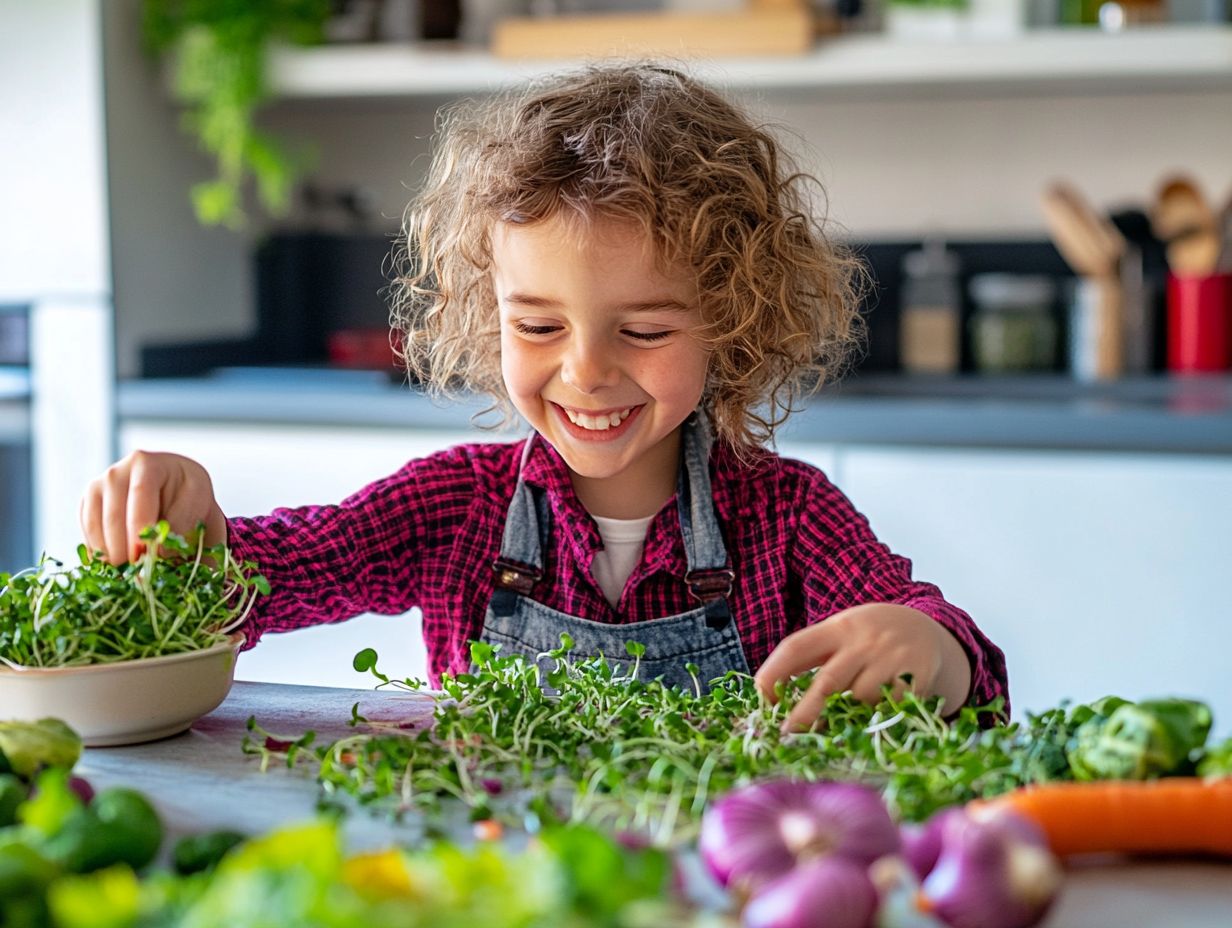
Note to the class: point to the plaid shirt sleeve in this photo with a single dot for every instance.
(842, 564)
(326, 564)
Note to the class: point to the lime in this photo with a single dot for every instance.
(132, 826)
(119, 826)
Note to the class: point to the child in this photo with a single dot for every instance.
(628, 262)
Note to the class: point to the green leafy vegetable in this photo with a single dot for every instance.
(1216, 761)
(27, 747)
(176, 597)
(1138, 741)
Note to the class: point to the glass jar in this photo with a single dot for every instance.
(1013, 328)
(929, 331)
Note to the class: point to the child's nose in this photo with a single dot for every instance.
(588, 366)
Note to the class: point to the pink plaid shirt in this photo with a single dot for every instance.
(426, 536)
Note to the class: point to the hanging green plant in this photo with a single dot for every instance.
(218, 49)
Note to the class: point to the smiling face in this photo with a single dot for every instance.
(598, 355)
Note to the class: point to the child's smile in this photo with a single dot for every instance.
(598, 353)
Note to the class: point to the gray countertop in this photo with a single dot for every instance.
(201, 780)
(1158, 414)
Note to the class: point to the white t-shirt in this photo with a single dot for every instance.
(623, 540)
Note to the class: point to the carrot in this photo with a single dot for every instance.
(1174, 815)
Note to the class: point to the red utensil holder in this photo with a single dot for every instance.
(1199, 323)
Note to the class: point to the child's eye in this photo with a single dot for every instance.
(528, 329)
(648, 336)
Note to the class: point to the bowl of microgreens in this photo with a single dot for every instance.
(125, 653)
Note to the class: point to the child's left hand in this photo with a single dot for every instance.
(863, 648)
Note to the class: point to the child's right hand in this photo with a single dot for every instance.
(137, 492)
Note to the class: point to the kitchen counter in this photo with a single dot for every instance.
(200, 780)
(1158, 414)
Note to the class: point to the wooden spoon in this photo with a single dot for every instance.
(1088, 241)
(1187, 225)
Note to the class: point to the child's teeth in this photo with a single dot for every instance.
(598, 423)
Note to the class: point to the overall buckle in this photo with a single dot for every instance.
(513, 575)
(709, 585)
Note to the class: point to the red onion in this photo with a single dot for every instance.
(828, 892)
(81, 786)
(994, 871)
(760, 832)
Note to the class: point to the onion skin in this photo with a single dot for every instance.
(991, 873)
(922, 841)
(827, 892)
(757, 833)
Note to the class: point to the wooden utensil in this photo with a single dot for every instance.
(1093, 247)
(1089, 242)
(1223, 264)
(1185, 222)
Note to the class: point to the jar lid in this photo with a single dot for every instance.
(933, 260)
(995, 291)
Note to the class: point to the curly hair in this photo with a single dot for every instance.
(649, 145)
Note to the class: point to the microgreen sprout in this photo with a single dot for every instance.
(604, 747)
(175, 597)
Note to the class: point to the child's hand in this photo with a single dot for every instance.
(138, 491)
(863, 648)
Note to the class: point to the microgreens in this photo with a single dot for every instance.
(175, 597)
(626, 754)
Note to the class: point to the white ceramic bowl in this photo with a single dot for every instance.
(126, 702)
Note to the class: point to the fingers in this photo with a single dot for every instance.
(798, 652)
(834, 676)
(91, 517)
(122, 502)
(144, 503)
(115, 513)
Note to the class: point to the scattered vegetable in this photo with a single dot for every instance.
(28, 747)
(921, 841)
(199, 853)
(994, 871)
(1170, 815)
(827, 892)
(174, 598)
(1216, 761)
(1136, 741)
(756, 834)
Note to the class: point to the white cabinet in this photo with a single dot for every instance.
(256, 468)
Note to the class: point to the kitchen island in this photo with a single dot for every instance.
(201, 780)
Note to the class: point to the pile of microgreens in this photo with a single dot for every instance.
(175, 597)
(621, 753)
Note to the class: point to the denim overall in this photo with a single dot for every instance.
(705, 636)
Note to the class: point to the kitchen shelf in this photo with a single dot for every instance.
(1076, 59)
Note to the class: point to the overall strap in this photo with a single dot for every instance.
(520, 563)
(709, 575)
